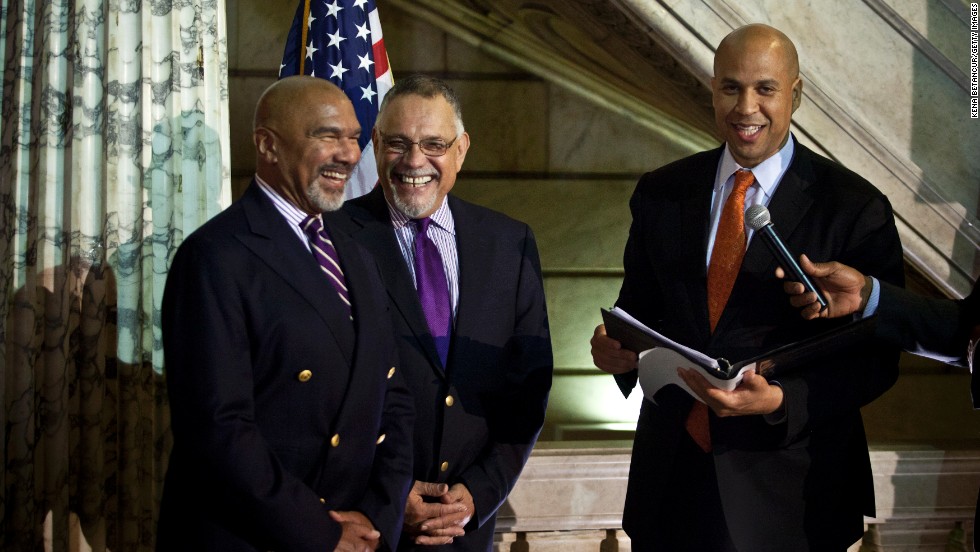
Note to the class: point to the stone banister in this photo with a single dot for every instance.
(570, 497)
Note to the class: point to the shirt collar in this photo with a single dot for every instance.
(293, 214)
(767, 174)
(442, 217)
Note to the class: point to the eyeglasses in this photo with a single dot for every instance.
(431, 147)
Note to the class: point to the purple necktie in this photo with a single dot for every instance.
(325, 254)
(430, 282)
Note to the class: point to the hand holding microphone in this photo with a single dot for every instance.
(757, 218)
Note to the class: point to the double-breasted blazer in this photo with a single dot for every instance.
(478, 418)
(282, 408)
(803, 483)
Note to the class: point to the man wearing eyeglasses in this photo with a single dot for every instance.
(469, 317)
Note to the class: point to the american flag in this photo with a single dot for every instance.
(341, 40)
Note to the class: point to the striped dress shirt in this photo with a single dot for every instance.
(442, 232)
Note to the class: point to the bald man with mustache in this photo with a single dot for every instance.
(292, 424)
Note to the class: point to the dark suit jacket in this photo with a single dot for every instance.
(803, 483)
(255, 464)
(936, 328)
(500, 362)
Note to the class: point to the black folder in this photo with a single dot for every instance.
(778, 360)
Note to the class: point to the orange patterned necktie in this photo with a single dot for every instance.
(726, 259)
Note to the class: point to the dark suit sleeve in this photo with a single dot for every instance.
(635, 296)
(391, 475)
(868, 240)
(210, 386)
(518, 416)
(936, 328)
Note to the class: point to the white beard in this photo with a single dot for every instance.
(323, 200)
(416, 208)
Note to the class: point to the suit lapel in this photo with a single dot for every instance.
(695, 212)
(787, 209)
(271, 239)
(378, 236)
(366, 299)
(475, 270)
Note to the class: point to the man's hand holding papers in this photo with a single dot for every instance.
(752, 394)
(729, 389)
(658, 357)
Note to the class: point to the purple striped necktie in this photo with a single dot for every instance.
(325, 254)
(433, 290)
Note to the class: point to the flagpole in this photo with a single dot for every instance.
(345, 45)
(302, 45)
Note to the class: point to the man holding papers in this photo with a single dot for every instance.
(777, 464)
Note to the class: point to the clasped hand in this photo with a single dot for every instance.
(433, 523)
(358, 533)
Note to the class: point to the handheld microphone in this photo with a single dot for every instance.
(757, 218)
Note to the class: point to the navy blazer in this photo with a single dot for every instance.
(478, 419)
(806, 482)
(935, 328)
(282, 408)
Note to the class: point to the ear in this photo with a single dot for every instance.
(462, 145)
(797, 93)
(265, 144)
(376, 142)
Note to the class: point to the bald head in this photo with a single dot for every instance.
(286, 98)
(757, 38)
(755, 91)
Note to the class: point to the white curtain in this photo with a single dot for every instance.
(113, 147)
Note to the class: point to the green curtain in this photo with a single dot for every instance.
(114, 147)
